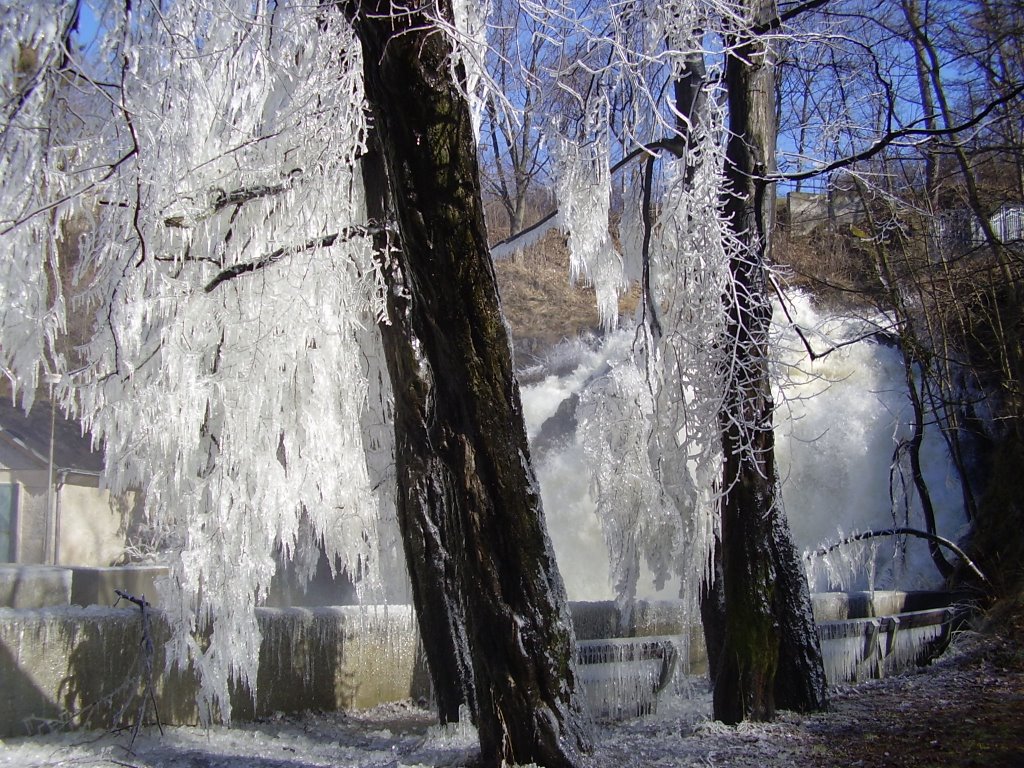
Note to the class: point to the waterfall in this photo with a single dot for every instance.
(838, 421)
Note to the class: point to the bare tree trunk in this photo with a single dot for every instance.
(1007, 313)
(428, 532)
(465, 456)
(913, 352)
(767, 652)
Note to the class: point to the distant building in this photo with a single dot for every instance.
(958, 231)
(1007, 223)
(824, 211)
(53, 509)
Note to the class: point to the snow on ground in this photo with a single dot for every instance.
(965, 710)
(400, 736)
(392, 736)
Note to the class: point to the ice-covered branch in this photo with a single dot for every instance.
(528, 235)
(903, 531)
(113, 180)
(148, 652)
(221, 199)
(812, 353)
(141, 602)
(72, 195)
(326, 241)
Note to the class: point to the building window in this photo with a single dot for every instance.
(8, 521)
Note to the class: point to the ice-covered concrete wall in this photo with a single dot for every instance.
(75, 666)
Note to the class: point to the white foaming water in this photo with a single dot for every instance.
(838, 422)
(569, 506)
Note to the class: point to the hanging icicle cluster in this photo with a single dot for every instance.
(583, 191)
(33, 187)
(650, 426)
(232, 371)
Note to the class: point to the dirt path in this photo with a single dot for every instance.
(967, 709)
(964, 711)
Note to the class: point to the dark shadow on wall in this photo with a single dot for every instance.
(107, 673)
(287, 589)
(300, 668)
(25, 710)
(116, 675)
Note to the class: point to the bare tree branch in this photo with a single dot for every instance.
(786, 14)
(894, 136)
(326, 241)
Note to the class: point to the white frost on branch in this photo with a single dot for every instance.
(583, 191)
(651, 427)
(33, 181)
(652, 434)
(233, 371)
(616, 416)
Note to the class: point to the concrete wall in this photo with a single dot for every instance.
(810, 211)
(840, 606)
(37, 586)
(30, 529)
(73, 666)
(82, 667)
(807, 211)
(48, 586)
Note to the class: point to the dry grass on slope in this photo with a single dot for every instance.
(541, 306)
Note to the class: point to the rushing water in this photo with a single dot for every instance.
(838, 421)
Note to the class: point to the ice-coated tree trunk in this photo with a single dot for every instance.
(758, 621)
(469, 493)
(426, 527)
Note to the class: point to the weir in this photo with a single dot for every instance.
(871, 635)
(70, 666)
(623, 676)
(84, 667)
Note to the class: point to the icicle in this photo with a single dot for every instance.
(470, 40)
(855, 650)
(651, 427)
(623, 676)
(583, 192)
(36, 175)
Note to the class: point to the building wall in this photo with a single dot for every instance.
(91, 526)
(810, 211)
(89, 523)
(807, 211)
(29, 518)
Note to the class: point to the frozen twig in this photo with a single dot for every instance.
(148, 694)
(903, 531)
(273, 257)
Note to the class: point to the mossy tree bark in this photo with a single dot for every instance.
(470, 501)
(758, 621)
(427, 528)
